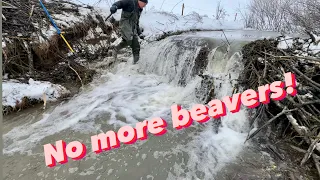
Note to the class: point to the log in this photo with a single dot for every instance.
(76, 73)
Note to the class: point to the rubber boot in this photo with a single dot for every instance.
(135, 59)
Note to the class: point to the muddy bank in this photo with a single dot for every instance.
(35, 50)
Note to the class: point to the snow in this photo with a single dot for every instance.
(317, 37)
(49, 32)
(156, 23)
(13, 91)
(307, 47)
(314, 48)
(285, 43)
(64, 20)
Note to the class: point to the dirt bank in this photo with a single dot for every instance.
(33, 49)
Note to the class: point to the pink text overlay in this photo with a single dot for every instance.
(181, 118)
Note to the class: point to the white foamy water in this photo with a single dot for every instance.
(125, 97)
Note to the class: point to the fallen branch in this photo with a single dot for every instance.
(44, 100)
(307, 103)
(298, 149)
(293, 57)
(284, 111)
(316, 162)
(316, 85)
(4, 17)
(30, 58)
(160, 23)
(301, 130)
(310, 150)
(226, 37)
(76, 73)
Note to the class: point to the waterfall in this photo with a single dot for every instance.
(183, 70)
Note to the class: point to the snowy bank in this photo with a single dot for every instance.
(13, 91)
(158, 22)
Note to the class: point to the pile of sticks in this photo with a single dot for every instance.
(25, 56)
(265, 63)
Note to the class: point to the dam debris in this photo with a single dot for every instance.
(297, 118)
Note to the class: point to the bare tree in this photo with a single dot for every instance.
(246, 18)
(306, 14)
(269, 15)
(283, 15)
(221, 13)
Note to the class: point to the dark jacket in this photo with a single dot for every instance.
(129, 22)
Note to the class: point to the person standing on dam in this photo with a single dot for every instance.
(129, 26)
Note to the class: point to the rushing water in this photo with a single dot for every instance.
(170, 72)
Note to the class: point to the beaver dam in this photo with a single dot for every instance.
(279, 140)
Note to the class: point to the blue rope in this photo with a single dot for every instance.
(46, 11)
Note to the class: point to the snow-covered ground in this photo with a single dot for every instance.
(308, 48)
(13, 91)
(156, 22)
(64, 20)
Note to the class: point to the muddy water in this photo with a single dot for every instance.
(129, 94)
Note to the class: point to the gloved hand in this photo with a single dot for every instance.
(141, 36)
(140, 30)
(113, 9)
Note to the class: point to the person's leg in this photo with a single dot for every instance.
(126, 34)
(135, 46)
(118, 47)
